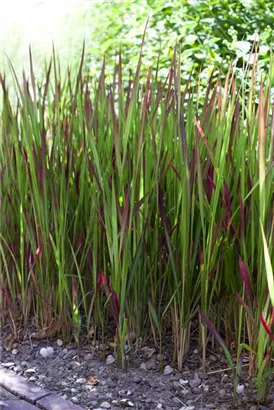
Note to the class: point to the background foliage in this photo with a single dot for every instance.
(211, 33)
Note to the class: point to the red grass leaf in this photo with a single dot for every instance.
(266, 327)
(246, 281)
(102, 281)
(213, 330)
(209, 183)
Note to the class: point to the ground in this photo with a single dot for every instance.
(82, 377)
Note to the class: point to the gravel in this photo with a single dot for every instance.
(82, 377)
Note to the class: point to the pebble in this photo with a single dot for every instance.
(81, 380)
(75, 399)
(46, 351)
(30, 371)
(124, 392)
(105, 405)
(126, 402)
(143, 366)
(159, 406)
(150, 364)
(32, 379)
(110, 359)
(240, 388)
(42, 376)
(59, 342)
(24, 364)
(188, 408)
(8, 365)
(87, 357)
(168, 370)
(17, 368)
(14, 351)
(195, 382)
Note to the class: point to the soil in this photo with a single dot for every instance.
(82, 377)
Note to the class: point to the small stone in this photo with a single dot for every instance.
(81, 380)
(32, 379)
(14, 351)
(183, 382)
(253, 408)
(17, 368)
(90, 388)
(195, 382)
(75, 400)
(105, 405)
(24, 364)
(46, 351)
(59, 342)
(168, 370)
(110, 359)
(73, 390)
(42, 376)
(126, 402)
(159, 406)
(64, 397)
(143, 366)
(73, 364)
(87, 357)
(30, 371)
(125, 392)
(151, 363)
(8, 364)
(240, 388)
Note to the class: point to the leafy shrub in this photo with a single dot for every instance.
(211, 33)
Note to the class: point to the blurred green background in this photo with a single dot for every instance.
(211, 32)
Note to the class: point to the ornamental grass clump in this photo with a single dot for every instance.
(139, 209)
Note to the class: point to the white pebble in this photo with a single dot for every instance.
(110, 359)
(240, 388)
(105, 405)
(9, 364)
(30, 371)
(168, 370)
(46, 351)
(82, 380)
